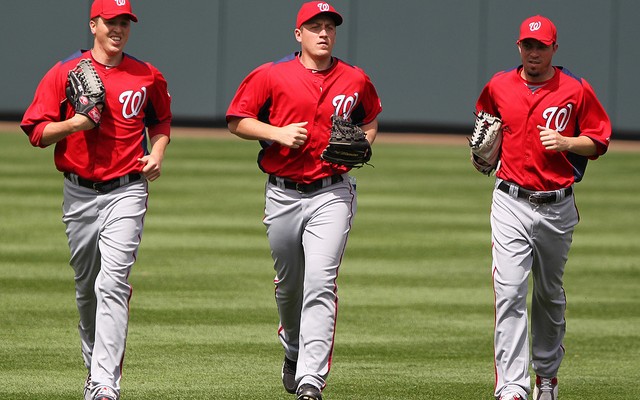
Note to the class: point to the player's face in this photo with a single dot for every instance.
(536, 59)
(111, 35)
(317, 37)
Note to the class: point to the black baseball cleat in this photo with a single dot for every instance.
(289, 375)
(309, 392)
(88, 386)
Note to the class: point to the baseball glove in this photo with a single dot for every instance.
(486, 142)
(85, 90)
(348, 144)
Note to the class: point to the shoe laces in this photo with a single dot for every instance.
(546, 384)
(511, 397)
(106, 393)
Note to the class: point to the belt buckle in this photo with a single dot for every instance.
(541, 198)
(300, 187)
(103, 187)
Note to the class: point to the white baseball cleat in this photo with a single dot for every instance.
(545, 389)
(512, 397)
(105, 393)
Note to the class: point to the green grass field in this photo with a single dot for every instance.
(416, 305)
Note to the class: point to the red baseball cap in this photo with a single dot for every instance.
(313, 8)
(538, 28)
(109, 9)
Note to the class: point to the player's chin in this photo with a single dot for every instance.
(324, 48)
(117, 45)
(322, 54)
(532, 71)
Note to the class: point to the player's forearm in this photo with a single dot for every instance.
(152, 163)
(371, 129)
(581, 145)
(53, 132)
(252, 129)
(159, 145)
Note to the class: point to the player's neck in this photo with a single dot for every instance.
(538, 78)
(105, 59)
(315, 65)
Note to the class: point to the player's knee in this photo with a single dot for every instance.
(549, 296)
(510, 295)
(110, 286)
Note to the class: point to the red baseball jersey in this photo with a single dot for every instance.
(285, 92)
(564, 103)
(136, 98)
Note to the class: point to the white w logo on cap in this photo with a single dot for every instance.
(534, 26)
(323, 7)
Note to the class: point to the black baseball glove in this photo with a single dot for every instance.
(348, 144)
(85, 90)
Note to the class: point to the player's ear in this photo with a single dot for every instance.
(92, 26)
(298, 34)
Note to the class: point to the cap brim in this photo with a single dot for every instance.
(132, 17)
(545, 42)
(337, 18)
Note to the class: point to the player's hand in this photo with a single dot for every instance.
(152, 167)
(293, 135)
(553, 140)
(83, 122)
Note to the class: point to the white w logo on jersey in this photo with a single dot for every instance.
(559, 116)
(345, 104)
(132, 102)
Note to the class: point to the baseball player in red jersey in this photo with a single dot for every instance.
(106, 169)
(552, 125)
(310, 204)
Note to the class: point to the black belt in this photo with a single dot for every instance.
(305, 187)
(536, 197)
(104, 186)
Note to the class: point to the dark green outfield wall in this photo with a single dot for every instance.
(429, 59)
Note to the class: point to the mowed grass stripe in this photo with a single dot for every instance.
(415, 309)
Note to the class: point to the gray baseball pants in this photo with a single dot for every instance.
(529, 238)
(104, 233)
(308, 234)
